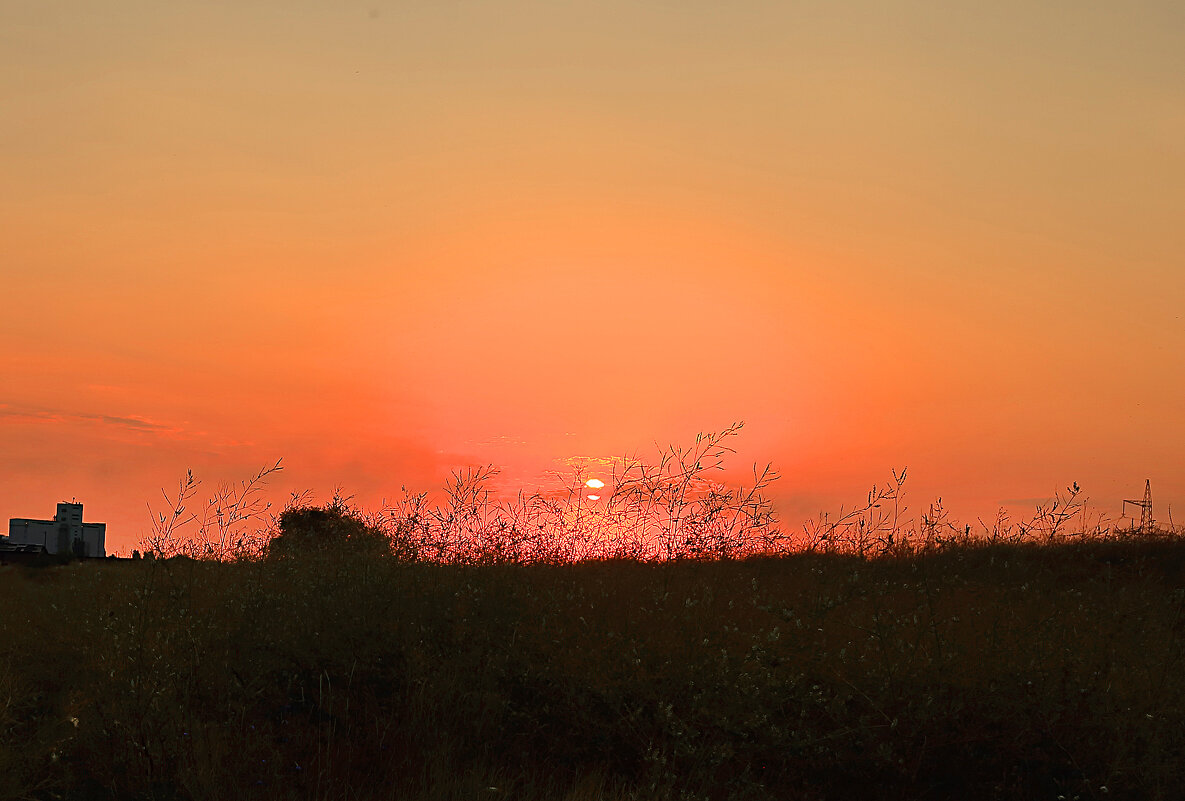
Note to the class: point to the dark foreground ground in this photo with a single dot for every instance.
(1004, 672)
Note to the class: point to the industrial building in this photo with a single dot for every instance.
(65, 534)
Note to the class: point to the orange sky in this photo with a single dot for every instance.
(384, 240)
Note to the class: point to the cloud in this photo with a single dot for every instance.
(29, 414)
(497, 440)
(134, 423)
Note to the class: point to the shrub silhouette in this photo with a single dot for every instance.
(335, 527)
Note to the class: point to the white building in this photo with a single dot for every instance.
(65, 534)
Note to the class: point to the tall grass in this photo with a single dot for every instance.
(668, 643)
(1004, 671)
(673, 507)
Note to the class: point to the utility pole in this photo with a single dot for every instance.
(1146, 522)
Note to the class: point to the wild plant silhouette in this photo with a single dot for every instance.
(667, 642)
(673, 507)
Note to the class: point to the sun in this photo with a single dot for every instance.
(594, 484)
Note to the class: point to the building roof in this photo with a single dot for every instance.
(8, 546)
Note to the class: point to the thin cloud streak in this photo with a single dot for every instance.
(16, 414)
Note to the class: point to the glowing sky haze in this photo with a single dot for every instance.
(383, 240)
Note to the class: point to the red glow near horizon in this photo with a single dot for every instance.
(386, 247)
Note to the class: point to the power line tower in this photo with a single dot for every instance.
(1145, 508)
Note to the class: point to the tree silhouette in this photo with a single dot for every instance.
(335, 527)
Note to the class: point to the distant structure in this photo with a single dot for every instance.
(11, 553)
(65, 534)
(1146, 521)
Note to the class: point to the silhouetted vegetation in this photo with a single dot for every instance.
(673, 508)
(1004, 671)
(451, 650)
(309, 531)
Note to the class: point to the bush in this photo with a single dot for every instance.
(336, 527)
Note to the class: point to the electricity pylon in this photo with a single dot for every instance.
(1145, 508)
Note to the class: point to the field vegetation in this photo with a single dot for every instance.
(453, 651)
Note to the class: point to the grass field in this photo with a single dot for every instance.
(1003, 671)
